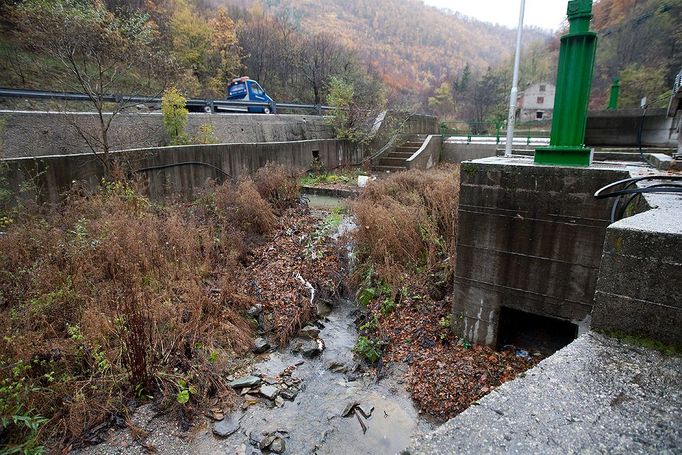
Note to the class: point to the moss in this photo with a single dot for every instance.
(644, 342)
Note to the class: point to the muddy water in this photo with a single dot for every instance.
(312, 422)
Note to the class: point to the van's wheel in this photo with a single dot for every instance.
(208, 109)
(266, 110)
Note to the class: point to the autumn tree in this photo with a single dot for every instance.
(441, 103)
(322, 57)
(98, 54)
(637, 82)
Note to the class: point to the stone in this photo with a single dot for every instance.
(277, 445)
(260, 345)
(337, 367)
(309, 331)
(289, 393)
(269, 391)
(348, 409)
(226, 427)
(312, 348)
(279, 401)
(255, 310)
(245, 381)
(366, 409)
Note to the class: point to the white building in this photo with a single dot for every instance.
(536, 102)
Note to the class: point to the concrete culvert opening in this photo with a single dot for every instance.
(533, 333)
(316, 154)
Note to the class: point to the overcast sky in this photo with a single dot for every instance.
(547, 14)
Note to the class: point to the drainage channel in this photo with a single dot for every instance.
(337, 410)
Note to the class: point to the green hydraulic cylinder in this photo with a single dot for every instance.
(615, 93)
(574, 81)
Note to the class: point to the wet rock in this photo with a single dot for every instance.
(279, 401)
(322, 308)
(366, 409)
(226, 427)
(277, 445)
(245, 381)
(255, 311)
(309, 331)
(260, 345)
(348, 409)
(337, 367)
(289, 393)
(255, 438)
(312, 348)
(266, 441)
(269, 391)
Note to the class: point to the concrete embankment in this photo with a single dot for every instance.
(176, 170)
(26, 133)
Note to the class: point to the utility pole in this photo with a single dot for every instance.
(515, 85)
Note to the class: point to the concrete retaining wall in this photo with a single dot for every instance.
(530, 238)
(52, 175)
(620, 128)
(457, 152)
(25, 134)
(639, 291)
(428, 154)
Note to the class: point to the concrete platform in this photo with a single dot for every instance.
(597, 395)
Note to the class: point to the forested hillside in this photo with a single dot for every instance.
(398, 52)
(640, 41)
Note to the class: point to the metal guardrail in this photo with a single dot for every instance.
(472, 130)
(208, 105)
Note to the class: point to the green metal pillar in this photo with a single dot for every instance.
(574, 81)
(615, 93)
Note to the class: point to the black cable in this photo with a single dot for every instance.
(619, 207)
(184, 163)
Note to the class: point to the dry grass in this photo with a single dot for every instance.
(278, 185)
(408, 223)
(109, 297)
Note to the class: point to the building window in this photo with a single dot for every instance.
(543, 87)
(539, 114)
(541, 100)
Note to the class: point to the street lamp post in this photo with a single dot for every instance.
(511, 118)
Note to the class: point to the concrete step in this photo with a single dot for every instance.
(406, 149)
(391, 161)
(413, 144)
(403, 155)
(388, 168)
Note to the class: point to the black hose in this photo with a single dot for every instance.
(184, 163)
(619, 207)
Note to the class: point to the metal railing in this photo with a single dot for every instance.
(497, 130)
(207, 105)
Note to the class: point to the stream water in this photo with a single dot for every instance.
(313, 422)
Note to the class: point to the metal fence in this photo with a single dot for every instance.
(205, 105)
(471, 130)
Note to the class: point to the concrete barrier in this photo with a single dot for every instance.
(24, 134)
(639, 291)
(621, 128)
(530, 239)
(52, 175)
(428, 154)
(454, 152)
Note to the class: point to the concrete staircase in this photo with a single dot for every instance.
(395, 160)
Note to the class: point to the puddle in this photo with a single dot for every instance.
(312, 422)
(319, 202)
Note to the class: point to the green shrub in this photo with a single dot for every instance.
(367, 348)
(175, 113)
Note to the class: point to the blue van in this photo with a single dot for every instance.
(245, 89)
